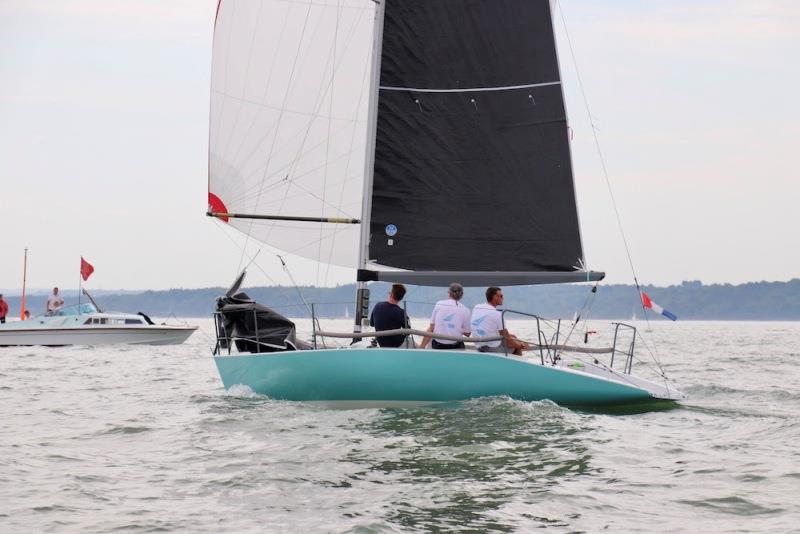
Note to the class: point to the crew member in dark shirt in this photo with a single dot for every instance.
(389, 316)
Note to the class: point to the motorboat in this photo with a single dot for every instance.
(84, 324)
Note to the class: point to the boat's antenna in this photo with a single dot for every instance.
(605, 174)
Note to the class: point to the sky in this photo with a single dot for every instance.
(104, 132)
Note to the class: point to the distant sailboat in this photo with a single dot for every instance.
(467, 177)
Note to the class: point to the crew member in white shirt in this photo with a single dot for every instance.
(487, 321)
(54, 301)
(449, 317)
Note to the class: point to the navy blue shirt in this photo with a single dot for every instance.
(388, 316)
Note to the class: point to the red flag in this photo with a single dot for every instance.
(86, 269)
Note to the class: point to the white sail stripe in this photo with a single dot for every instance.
(469, 89)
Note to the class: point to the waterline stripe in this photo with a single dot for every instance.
(469, 90)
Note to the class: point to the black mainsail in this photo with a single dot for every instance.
(472, 168)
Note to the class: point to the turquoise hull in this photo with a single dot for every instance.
(398, 377)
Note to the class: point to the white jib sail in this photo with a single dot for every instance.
(289, 96)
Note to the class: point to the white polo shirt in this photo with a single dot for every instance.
(486, 321)
(54, 302)
(450, 317)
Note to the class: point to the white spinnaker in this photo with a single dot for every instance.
(289, 96)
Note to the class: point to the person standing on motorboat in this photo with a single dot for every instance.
(451, 318)
(54, 302)
(488, 321)
(3, 309)
(389, 315)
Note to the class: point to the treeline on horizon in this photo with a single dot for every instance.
(689, 301)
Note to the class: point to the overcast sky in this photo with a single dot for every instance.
(104, 132)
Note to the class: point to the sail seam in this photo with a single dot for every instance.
(469, 89)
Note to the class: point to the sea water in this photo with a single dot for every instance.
(146, 439)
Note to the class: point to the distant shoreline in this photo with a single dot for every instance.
(690, 301)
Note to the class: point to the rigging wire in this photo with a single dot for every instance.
(364, 82)
(222, 227)
(311, 314)
(328, 138)
(322, 92)
(606, 176)
(280, 114)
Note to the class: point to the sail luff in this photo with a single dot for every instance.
(372, 121)
(362, 293)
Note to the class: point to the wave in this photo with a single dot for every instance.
(122, 429)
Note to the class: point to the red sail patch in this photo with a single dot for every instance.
(215, 205)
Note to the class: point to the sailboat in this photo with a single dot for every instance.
(456, 112)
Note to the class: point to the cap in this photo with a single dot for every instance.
(456, 289)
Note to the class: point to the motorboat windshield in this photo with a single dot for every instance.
(76, 309)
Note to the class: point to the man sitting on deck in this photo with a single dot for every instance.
(451, 318)
(389, 316)
(488, 321)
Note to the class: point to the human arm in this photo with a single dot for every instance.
(427, 339)
(512, 341)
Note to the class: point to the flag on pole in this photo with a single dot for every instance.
(86, 269)
(649, 304)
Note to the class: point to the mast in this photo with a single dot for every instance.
(362, 293)
(80, 284)
(24, 281)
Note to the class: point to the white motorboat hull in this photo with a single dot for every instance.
(113, 335)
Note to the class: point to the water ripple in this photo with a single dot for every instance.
(145, 439)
